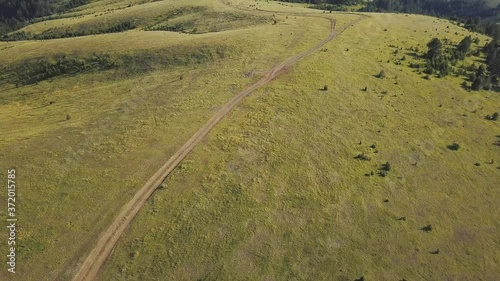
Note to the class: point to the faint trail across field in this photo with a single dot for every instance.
(90, 267)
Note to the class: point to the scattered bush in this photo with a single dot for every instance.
(363, 156)
(427, 228)
(381, 74)
(492, 117)
(384, 169)
(497, 142)
(414, 65)
(454, 146)
(382, 173)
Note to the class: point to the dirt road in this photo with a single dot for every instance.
(99, 254)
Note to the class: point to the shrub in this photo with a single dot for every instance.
(363, 156)
(386, 167)
(381, 74)
(427, 228)
(414, 65)
(454, 146)
(493, 117)
(325, 88)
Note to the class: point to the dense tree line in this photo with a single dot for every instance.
(331, 2)
(19, 10)
(476, 15)
(14, 13)
(458, 8)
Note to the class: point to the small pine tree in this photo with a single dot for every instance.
(477, 84)
(381, 74)
(494, 117)
(435, 47)
(481, 71)
(386, 167)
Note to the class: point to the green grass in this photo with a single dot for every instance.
(74, 175)
(188, 17)
(275, 191)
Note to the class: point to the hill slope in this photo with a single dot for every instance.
(277, 192)
(287, 186)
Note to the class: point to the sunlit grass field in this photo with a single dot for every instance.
(83, 144)
(275, 191)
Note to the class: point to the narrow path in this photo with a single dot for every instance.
(107, 241)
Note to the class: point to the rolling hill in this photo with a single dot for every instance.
(328, 171)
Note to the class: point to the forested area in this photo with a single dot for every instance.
(458, 8)
(14, 13)
(333, 2)
(476, 15)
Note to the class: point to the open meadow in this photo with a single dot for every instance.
(329, 172)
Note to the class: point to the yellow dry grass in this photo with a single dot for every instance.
(275, 192)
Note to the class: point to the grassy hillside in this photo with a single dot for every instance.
(277, 191)
(85, 139)
(195, 17)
